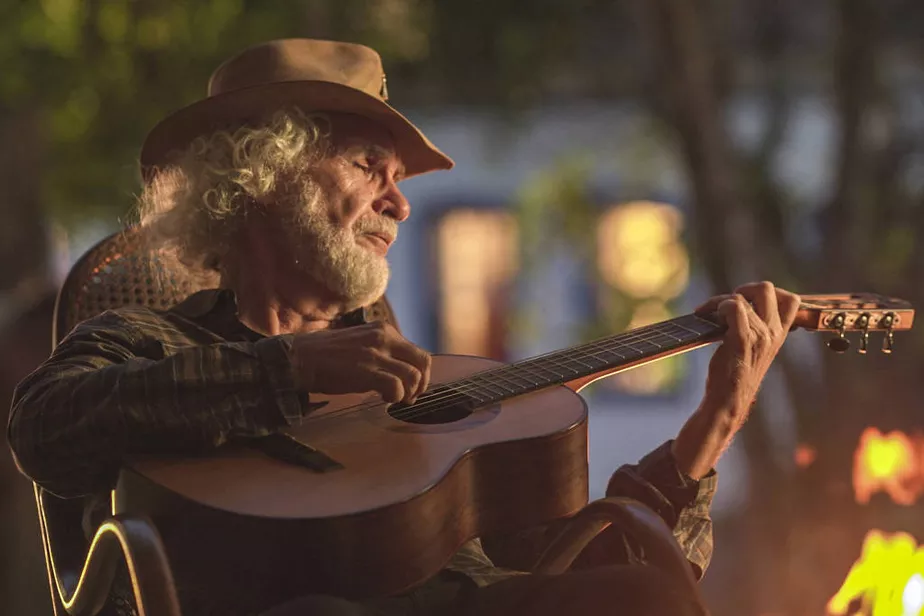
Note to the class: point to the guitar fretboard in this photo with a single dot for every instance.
(605, 354)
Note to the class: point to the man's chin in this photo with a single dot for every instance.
(356, 280)
(364, 293)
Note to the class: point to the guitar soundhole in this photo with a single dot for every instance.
(440, 406)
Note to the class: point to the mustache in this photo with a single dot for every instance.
(380, 224)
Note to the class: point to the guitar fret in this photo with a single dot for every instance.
(560, 362)
(555, 375)
(487, 386)
(674, 336)
(646, 346)
(626, 350)
(462, 388)
(531, 369)
(509, 373)
(503, 383)
(599, 355)
(588, 356)
(613, 356)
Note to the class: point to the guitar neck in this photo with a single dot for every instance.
(580, 365)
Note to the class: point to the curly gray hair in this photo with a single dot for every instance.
(193, 208)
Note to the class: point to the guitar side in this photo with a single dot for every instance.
(407, 497)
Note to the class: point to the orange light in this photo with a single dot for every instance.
(477, 260)
(886, 463)
(888, 578)
(805, 455)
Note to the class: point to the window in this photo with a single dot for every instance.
(644, 264)
(477, 260)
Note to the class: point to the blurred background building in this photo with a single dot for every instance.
(617, 163)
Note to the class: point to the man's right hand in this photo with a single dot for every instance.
(370, 357)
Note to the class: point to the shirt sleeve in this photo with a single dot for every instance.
(109, 391)
(683, 503)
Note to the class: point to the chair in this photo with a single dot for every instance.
(120, 271)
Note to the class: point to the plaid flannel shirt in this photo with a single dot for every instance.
(138, 381)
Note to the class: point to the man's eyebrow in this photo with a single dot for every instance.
(379, 152)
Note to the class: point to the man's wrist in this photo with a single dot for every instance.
(701, 441)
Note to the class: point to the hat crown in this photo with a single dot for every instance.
(349, 64)
(312, 75)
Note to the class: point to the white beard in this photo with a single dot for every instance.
(330, 255)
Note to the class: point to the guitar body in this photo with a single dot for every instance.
(498, 448)
(406, 496)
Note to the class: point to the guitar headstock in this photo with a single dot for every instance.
(855, 312)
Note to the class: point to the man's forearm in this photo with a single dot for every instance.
(702, 440)
(96, 401)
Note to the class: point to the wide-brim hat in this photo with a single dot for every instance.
(309, 74)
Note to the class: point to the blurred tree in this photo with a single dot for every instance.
(96, 76)
(84, 80)
(866, 227)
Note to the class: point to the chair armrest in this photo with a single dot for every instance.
(632, 517)
(136, 539)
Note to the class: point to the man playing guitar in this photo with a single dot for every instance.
(282, 186)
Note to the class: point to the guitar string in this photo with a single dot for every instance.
(430, 402)
(427, 406)
(609, 344)
(418, 410)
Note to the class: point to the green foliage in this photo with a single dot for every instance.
(100, 73)
(555, 206)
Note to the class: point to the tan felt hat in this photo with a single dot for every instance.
(309, 74)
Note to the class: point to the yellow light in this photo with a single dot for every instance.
(654, 377)
(888, 578)
(639, 250)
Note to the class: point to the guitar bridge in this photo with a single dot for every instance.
(290, 450)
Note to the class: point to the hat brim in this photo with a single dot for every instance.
(240, 107)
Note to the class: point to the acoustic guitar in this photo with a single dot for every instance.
(367, 499)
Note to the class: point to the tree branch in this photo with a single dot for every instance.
(684, 66)
(855, 81)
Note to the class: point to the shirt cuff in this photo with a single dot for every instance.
(657, 482)
(291, 402)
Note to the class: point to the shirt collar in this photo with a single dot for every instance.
(216, 309)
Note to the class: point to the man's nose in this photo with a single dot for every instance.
(393, 203)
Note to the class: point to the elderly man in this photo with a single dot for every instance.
(282, 187)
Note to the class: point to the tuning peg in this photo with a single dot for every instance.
(887, 342)
(839, 344)
(863, 322)
(888, 320)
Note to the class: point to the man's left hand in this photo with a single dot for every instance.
(758, 316)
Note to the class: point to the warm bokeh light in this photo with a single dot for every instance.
(805, 455)
(640, 253)
(888, 578)
(639, 250)
(886, 463)
(477, 253)
(653, 377)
